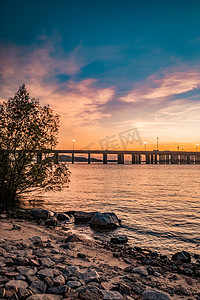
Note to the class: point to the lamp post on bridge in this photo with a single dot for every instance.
(157, 143)
(145, 146)
(197, 147)
(73, 143)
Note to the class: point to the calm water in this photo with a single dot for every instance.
(159, 205)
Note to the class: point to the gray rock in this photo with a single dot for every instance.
(63, 217)
(182, 256)
(71, 271)
(140, 270)
(119, 239)
(2, 292)
(24, 293)
(51, 222)
(26, 271)
(46, 262)
(104, 221)
(38, 287)
(15, 284)
(58, 290)
(89, 275)
(59, 280)
(44, 297)
(72, 238)
(16, 227)
(111, 295)
(73, 284)
(152, 294)
(42, 213)
(83, 217)
(46, 273)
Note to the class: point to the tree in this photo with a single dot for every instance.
(28, 130)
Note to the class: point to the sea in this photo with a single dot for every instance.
(159, 205)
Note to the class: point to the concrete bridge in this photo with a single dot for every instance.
(138, 157)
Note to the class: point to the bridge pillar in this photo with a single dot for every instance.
(162, 159)
(197, 159)
(167, 159)
(188, 159)
(56, 158)
(156, 159)
(133, 159)
(139, 158)
(182, 159)
(88, 158)
(104, 158)
(152, 159)
(172, 159)
(147, 159)
(120, 158)
(72, 157)
(39, 158)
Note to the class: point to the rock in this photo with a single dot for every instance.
(120, 239)
(46, 273)
(90, 295)
(59, 280)
(71, 271)
(44, 297)
(71, 238)
(38, 287)
(16, 227)
(3, 216)
(16, 284)
(152, 294)
(10, 292)
(83, 217)
(140, 270)
(41, 213)
(73, 284)
(22, 261)
(58, 290)
(51, 222)
(46, 262)
(48, 281)
(2, 292)
(37, 241)
(24, 293)
(81, 255)
(14, 297)
(111, 295)
(104, 221)
(182, 256)
(89, 275)
(124, 288)
(63, 217)
(26, 271)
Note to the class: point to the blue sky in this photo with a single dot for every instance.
(107, 66)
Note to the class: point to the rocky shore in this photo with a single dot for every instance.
(41, 258)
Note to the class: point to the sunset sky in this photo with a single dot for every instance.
(107, 67)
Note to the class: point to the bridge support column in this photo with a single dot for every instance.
(120, 158)
(152, 159)
(188, 159)
(133, 159)
(39, 158)
(56, 158)
(139, 159)
(172, 159)
(72, 157)
(88, 158)
(167, 159)
(197, 160)
(105, 158)
(147, 159)
(182, 159)
(162, 159)
(156, 159)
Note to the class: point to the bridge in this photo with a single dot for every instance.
(138, 157)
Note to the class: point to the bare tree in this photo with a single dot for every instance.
(26, 130)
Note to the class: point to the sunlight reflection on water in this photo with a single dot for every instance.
(158, 204)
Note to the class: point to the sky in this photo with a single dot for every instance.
(119, 73)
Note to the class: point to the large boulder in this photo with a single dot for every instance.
(182, 256)
(104, 221)
(42, 214)
(81, 217)
(152, 294)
